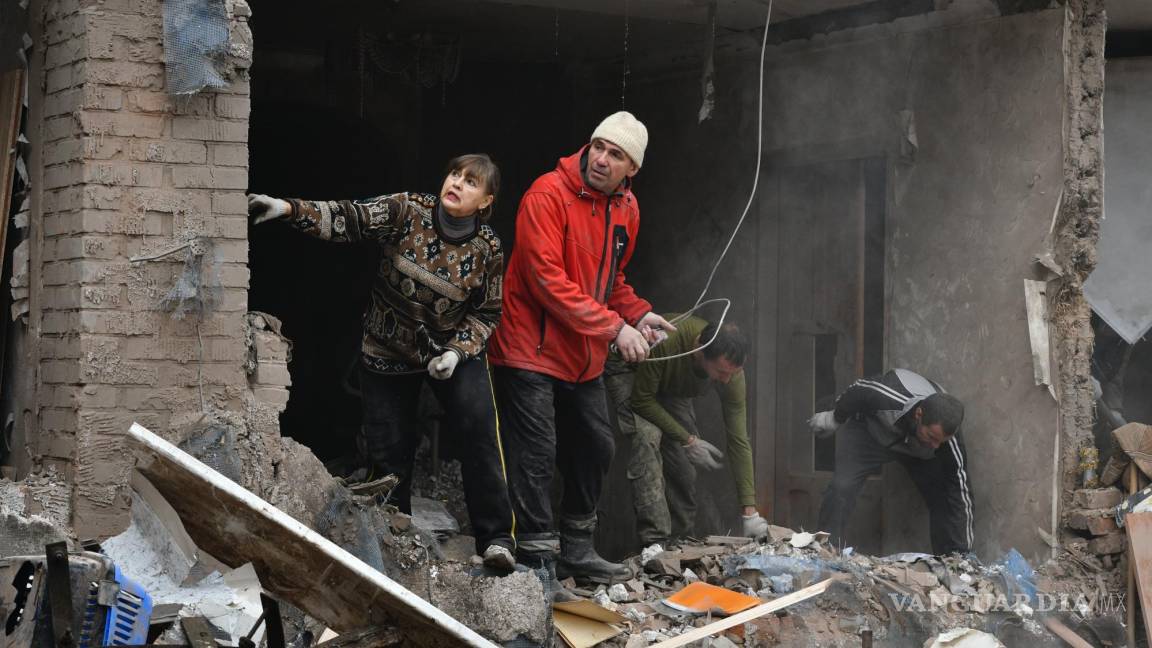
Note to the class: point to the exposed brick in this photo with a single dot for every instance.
(1098, 522)
(121, 123)
(231, 251)
(231, 299)
(63, 151)
(270, 347)
(139, 51)
(59, 322)
(277, 396)
(162, 348)
(61, 298)
(125, 73)
(273, 374)
(98, 97)
(103, 147)
(229, 227)
(134, 27)
(120, 322)
(229, 373)
(233, 106)
(65, 199)
(230, 154)
(63, 77)
(102, 297)
(235, 276)
(58, 273)
(60, 371)
(197, 105)
(169, 152)
(170, 201)
(60, 128)
(1113, 543)
(137, 7)
(136, 175)
(89, 247)
(1097, 498)
(64, 53)
(230, 203)
(99, 396)
(55, 443)
(60, 348)
(63, 175)
(101, 197)
(212, 130)
(197, 177)
(62, 103)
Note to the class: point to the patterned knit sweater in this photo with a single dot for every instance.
(431, 292)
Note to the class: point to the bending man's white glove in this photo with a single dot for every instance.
(755, 526)
(703, 454)
(263, 208)
(442, 366)
(823, 424)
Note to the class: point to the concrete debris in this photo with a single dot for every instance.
(903, 599)
(433, 516)
(964, 638)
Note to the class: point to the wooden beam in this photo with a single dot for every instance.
(747, 615)
(294, 563)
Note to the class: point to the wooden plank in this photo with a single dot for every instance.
(1139, 527)
(294, 563)
(747, 615)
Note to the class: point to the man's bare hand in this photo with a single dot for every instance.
(263, 208)
(631, 344)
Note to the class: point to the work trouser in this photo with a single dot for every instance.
(391, 435)
(551, 424)
(941, 480)
(663, 480)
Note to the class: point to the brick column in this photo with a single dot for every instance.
(128, 170)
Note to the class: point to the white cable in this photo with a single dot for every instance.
(700, 303)
(759, 152)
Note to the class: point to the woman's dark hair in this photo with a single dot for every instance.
(730, 343)
(483, 169)
(945, 409)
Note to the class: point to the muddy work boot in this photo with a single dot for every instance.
(578, 557)
(544, 564)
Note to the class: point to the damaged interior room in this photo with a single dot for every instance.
(576, 323)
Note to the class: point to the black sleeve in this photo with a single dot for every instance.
(869, 395)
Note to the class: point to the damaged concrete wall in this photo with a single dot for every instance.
(121, 169)
(967, 208)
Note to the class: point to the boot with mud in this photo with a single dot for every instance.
(578, 557)
(544, 564)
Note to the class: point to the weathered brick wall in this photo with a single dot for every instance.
(128, 170)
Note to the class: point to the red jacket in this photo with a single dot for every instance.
(565, 298)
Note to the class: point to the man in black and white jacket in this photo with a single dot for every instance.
(900, 416)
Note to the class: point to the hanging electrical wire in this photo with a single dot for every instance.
(700, 303)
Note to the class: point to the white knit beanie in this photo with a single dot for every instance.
(625, 131)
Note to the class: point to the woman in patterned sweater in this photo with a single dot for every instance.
(435, 300)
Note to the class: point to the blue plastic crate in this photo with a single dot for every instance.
(128, 619)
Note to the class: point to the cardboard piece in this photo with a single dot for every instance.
(293, 562)
(584, 623)
(700, 597)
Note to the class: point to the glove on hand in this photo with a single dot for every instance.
(703, 454)
(755, 526)
(263, 208)
(823, 424)
(442, 366)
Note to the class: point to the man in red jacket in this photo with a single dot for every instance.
(565, 300)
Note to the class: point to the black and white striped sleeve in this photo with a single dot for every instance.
(870, 395)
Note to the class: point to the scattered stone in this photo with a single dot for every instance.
(1097, 498)
(1113, 543)
(618, 593)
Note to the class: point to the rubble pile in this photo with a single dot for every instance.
(902, 599)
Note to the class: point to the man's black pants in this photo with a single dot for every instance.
(391, 434)
(550, 424)
(942, 481)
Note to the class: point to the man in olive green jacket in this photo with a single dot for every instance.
(654, 406)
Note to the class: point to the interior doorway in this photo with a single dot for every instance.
(830, 325)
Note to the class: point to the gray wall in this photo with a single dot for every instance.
(965, 217)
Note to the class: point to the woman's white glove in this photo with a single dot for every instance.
(703, 454)
(442, 366)
(823, 424)
(263, 208)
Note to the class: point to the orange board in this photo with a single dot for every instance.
(701, 597)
